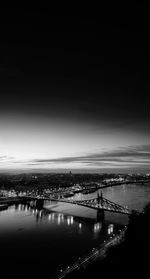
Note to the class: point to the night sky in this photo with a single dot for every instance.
(74, 92)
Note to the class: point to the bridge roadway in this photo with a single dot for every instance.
(97, 253)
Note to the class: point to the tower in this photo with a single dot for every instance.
(100, 211)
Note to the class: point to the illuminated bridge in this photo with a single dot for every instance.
(99, 203)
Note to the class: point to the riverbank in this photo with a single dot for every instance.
(98, 253)
(13, 200)
(129, 258)
(3, 206)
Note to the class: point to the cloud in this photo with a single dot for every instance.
(130, 157)
(6, 160)
(2, 158)
(123, 157)
(5, 157)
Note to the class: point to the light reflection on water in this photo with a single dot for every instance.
(110, 229)
(25, 229)
(97, 227)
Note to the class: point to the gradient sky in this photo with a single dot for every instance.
(73, 92)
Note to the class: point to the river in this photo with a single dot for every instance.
(46, 241)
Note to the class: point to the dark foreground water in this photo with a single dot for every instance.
(34, 242)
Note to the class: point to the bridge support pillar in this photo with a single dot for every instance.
(39, 204)
(100, 215)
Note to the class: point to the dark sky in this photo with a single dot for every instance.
(73, 70)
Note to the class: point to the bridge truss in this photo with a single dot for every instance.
(99, 203)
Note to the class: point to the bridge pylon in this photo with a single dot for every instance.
(100, 198)
(40, 203)
(100, 212)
